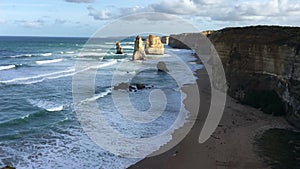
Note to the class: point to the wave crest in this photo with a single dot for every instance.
(7, 67)
(42, 62)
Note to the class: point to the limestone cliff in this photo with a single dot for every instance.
(139, 52)
(154, 46)
(262, 65)
(176, 41)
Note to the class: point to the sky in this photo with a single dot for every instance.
(82, 18)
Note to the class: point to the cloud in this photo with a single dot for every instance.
(80, 1)
(133, 10)
(60, 21)
(227, 11)
(2, 21)
(148, 16)
(31, 24)
(207, 2)
(103, 14)
(230, 10)
(175, 7)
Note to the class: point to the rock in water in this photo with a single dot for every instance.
(119, 48)
(162, 67)
(121, 86)
(139, 52)
(154, 46)
(140, 86)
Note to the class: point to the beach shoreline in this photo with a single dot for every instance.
(232, 145)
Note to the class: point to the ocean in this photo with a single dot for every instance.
(39, 127)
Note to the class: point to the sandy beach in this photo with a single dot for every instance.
(232, 145)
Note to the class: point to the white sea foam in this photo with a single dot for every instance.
(26, 116)
(110, 43)
(38, 78)
(46, 54)
(47, 105)
(67, 52)
(7, 67)
(32, 55)
(94, 54)
(54, 75)
(98, 96)
(21, 55)
(102, 65)
(42, 62)
(58, 108)
(106, 64)
(127, 43)
(127, 47)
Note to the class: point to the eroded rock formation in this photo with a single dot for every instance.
(154, 46)
(139, 52)
(119, 48)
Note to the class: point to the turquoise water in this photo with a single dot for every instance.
(38, 124)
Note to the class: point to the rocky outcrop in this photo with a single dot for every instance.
(139, 52)
(132, 87)
(154, 46)
(162, 67)
(119, 48)
(262, 66)
(165, 40)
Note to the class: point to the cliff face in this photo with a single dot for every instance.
(176, 41)
(262, 66)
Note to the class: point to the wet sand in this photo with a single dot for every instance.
(231, 146)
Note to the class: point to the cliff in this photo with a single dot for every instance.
(176, 41)
(154, 46)
(262, 66)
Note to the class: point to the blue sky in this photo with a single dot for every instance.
(84, 17)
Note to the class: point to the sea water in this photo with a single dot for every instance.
(38, 123)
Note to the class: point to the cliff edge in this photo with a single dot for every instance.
(262, 66)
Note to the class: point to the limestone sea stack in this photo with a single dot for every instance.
(154, 46)
(119, 48)
(139, 52)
